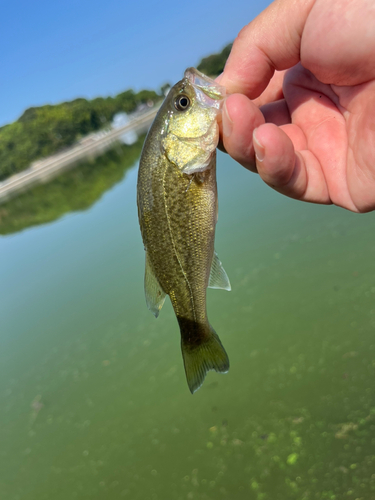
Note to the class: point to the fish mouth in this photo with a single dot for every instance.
(208, 92)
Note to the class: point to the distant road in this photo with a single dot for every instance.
(92, 145)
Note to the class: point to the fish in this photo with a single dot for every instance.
(177, 211)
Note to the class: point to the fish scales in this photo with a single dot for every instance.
(177, 205)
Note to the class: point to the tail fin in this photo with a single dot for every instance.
(201, 354)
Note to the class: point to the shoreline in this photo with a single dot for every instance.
(92, 145)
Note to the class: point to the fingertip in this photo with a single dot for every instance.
(259, 148)
(275, 155)
(239, 118)
(236, 106)
(227, 122)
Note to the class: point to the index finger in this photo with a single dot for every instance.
(270, 42)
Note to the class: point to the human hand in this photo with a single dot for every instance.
(309, 67)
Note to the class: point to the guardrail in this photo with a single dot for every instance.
(45, 169)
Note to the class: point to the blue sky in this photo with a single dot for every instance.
(55, 51)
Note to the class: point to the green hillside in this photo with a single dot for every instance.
(214, 64)
(44, 130)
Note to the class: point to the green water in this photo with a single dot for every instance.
(93, 398)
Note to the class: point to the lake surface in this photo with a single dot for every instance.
(93, 398)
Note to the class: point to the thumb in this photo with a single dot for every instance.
(270, 42)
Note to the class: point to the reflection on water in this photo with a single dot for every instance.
(73, 190)
(93, 399)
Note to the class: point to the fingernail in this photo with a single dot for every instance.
(227, 122)
(259, 149)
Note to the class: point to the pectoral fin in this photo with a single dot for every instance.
(155, 296)
(218, 276)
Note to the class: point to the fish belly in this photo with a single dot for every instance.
(179, 217)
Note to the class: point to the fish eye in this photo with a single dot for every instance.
(182, 102)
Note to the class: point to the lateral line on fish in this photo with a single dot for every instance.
(174, 246)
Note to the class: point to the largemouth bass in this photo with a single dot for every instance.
(177, 208)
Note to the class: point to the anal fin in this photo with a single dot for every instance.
(218, 276)
(155, 296)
